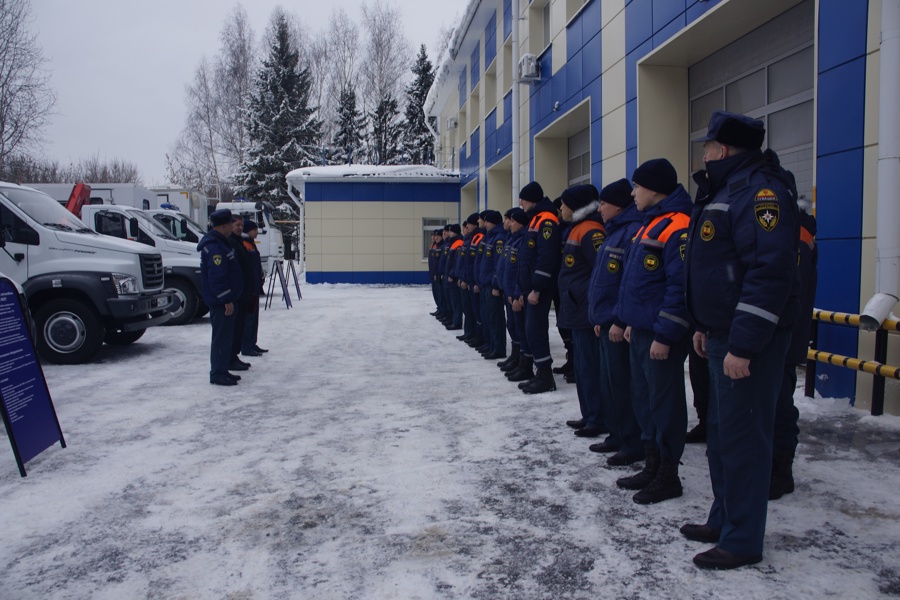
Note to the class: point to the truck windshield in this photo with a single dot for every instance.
(151, 225)
(43, 209)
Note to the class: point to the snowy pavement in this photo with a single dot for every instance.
(370, 455)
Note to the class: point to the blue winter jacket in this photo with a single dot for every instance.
(742, 252)
(510, 283)
(583, 240)
(539, 254)
(221, 280)
(607, 274)
(473, 257)
(651, 297)
(454, 243)
(492, 244)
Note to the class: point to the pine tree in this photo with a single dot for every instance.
(417, 139)
(387, 133)
(284, 131)
(351, 124)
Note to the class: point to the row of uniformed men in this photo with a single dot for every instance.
(663, 275)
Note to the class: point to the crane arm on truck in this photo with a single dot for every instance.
(81, 193)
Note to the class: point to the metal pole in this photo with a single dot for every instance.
(516, 150)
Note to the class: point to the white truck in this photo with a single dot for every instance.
(190, 202)
(178, 224)
(269, 242)
(83, 289)
(181, 260)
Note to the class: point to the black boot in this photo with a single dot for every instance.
(640, 480)
(782, 479)
(512, 362)
(566, 366)
(524, 371)
(543, 382)
(697, 435)
(665, 485)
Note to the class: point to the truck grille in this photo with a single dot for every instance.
(152, 271)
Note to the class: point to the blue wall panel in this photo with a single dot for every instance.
(697, 8)
(594, 91)
(664, 11)
(833, 381)
(842, 29)
(507, 18)
(638, 23)
(663, 35)
(841, 105)
(574, 78)
(574, 39)
(591, 66)
(839, 195)
(378, 191)
(591, 20)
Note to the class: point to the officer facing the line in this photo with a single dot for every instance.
(221, 284)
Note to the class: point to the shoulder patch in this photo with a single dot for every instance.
(597, 239)
(217, 260)
(766, 209)
(569, 260)
(547, 231)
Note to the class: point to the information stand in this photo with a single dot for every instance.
(270, 294)
(296, 280)
(25, 403)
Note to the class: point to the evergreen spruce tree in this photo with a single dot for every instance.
(387, 133)
(351, 124)
(283, 129)
(417, 140)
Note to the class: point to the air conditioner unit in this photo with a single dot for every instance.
(452, 123)
(529, 68)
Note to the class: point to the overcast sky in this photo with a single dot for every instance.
(119, 67)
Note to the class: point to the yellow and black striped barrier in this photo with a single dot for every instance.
(869, 366)
(875, 367)
(839, 318)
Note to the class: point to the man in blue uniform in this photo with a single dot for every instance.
(521, 368)
(221, 284)
(583, 239)
(622, 221)
(651, 304)
(434, 255)
(741, 279)
(492, 301)
(451, 284)
(538, 267)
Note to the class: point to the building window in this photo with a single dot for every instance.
(580, 158)
(429, 224)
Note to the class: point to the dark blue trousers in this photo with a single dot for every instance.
(451, 290)
(739, 431)
(251, 326)
(222, 343)
(587, 376)
(495, 323)
(787, 432)
(510, 321)
(524, 348)
(615, 394)
(477, 310)
(467, 311)
(537, 329)
(657, 391)
(437, 293)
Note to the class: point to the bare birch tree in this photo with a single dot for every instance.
(385, 70)
(233, 84)
(26, 98)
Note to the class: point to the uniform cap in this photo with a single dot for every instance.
(658, 175)
(533, 192)
(578, 196)
(618, 193)
(455, 228)
(735, 130)
(220, 217)
(473, 219)
(250, 225)
(493, 216)
(518, 215)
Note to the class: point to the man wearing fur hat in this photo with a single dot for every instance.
(742, 286)
(538, 267)
(651, 304)
(584, 238)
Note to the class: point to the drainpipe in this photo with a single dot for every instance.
(516, 150)
(887, 242)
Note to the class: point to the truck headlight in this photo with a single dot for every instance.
(125, 284)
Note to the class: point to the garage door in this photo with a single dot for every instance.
(768, 74)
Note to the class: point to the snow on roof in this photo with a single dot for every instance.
(394, 173)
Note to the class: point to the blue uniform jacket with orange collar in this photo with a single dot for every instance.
(651, 297)
(510, 270)
(741, 265)
(473, 257)
(583, 241)
(221, 280)
(538, 256)
(454, 243)
(607, 274)
(492, 245)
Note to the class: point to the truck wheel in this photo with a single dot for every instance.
(68, 332)
(188, 298)
(123, 338)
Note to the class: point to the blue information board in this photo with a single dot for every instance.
(25, 403)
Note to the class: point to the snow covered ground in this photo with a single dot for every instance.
(371, 455)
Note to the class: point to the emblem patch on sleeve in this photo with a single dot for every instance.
(597, 239)
(569, 260)
(217, 260)
(547, 231)
(531, 243)
(766, 209)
